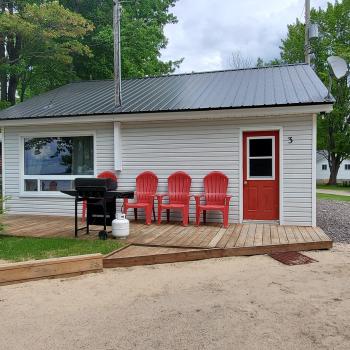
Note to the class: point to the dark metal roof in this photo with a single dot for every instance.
(245, 88)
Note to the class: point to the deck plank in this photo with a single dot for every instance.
(258, 241)
(169, 236)
(207, 239)
(321, 234)
(275, 239)
(297, 234)
(304, 234)
(243, 236)
(151, 235)
(184, 236)
(266, 234)
(195, 237)
(249, 242)
(290, 234)
(282, 235)
(217, 237)
(235, 233)
(225, 238)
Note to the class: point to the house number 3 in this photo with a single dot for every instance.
(290, 139)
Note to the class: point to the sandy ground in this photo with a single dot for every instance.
(232, 303)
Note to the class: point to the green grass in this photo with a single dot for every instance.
(333, 197)
(27, 248)
(333, 187)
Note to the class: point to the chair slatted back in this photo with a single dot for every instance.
(146, 186)
(215, 187)
(179, 185)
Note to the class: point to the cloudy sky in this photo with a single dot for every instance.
(209, 30)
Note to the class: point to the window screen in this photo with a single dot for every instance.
(260, 162)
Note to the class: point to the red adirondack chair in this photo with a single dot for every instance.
(146, 188)
(104, 175)
(216, 198)
(179, 184)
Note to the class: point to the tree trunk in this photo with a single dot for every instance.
(23, 89)
(12, 88)
(334, 165)
(3, 76)
(13, 49)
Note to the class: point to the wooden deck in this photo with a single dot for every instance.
(173, 242)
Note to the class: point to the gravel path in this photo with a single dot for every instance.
(334, 218)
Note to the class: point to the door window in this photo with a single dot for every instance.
(261, 158)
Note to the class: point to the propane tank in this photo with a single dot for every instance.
(120, 226)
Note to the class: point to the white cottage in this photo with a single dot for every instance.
(323, 172)
(258, 126)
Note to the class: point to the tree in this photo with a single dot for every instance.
(274, 62)
(37, 42)
(334, 26)
(142, 38)
(238, 61)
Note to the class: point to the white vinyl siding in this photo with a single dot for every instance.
(201, 146)
(63, 205)
(195, 146)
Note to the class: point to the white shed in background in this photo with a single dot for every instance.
(323, 170)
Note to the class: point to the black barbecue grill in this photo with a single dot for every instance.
(100, 196)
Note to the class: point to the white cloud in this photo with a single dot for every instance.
(209, 30)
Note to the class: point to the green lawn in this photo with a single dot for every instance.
(333, 197)
(27, 248)
(333, 187)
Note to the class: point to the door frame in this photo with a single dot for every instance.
(281, 186)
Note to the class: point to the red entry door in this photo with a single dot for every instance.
(261, 175)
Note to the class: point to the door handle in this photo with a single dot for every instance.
(245, 182)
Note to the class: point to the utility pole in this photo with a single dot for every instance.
(117, 55)
(307, 29)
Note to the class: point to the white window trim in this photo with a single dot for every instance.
(23, 177)
(261, 178)
(322, 167)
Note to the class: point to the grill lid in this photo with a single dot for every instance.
(96, 184)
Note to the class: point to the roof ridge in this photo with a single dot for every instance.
(196, 73)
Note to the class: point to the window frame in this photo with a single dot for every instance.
(347, 167)
(324, 169)
(273, 157)
(24, 177)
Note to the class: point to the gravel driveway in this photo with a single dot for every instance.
(334, 218)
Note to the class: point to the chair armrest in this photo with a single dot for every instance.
(227, 199)
(160, 197)
(198, 197)
(151, 198)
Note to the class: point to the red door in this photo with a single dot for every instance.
(261, 175)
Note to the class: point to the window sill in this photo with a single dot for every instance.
(43, 195)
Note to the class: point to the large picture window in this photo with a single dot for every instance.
(51, 164)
